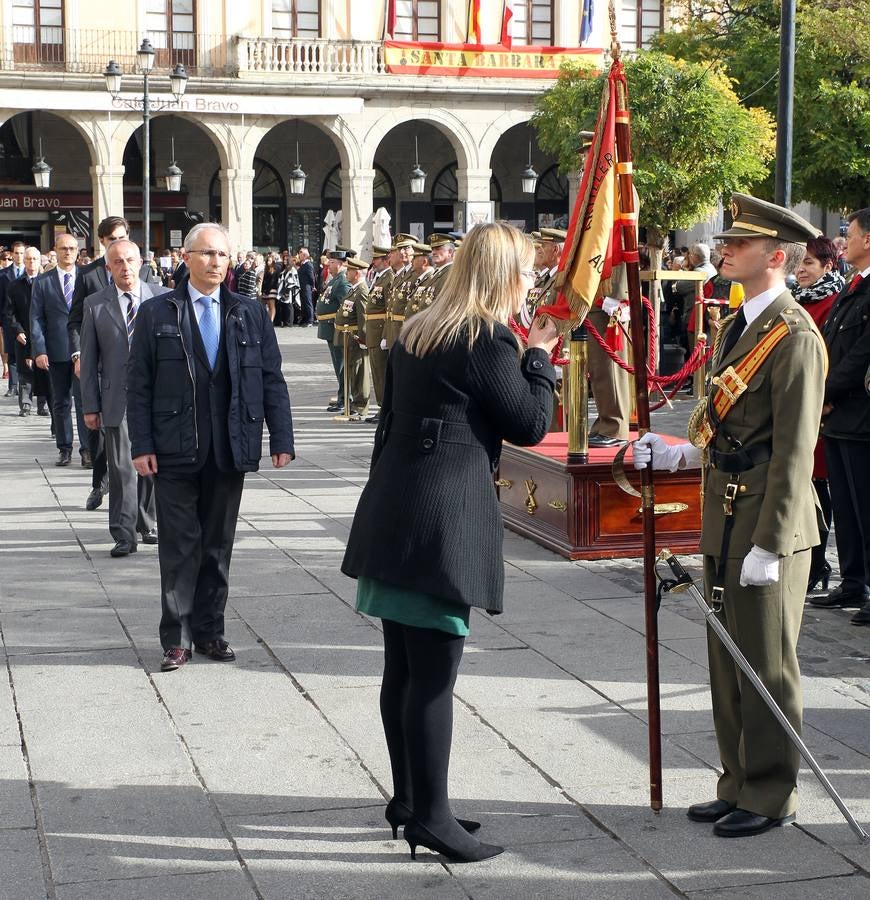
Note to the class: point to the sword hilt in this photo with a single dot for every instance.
(682, 579)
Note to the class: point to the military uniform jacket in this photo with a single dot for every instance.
(330, 298)
(539, 295)
(775, 506)
(421, 294)
(376, 307)
(399, 293)
(352, 314)
(847, 336)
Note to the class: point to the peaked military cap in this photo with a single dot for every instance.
(338, 254)
(758, 218)
(536, 237)
(553, 235)
(403, 240)
(440, 240)
(421, 249)
(357, 264)
(350, 254)
(380, 252)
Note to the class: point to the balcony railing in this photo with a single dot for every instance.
(87, 51)
(300, 56)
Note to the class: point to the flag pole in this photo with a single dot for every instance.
(628, 220)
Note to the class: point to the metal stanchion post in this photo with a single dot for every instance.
(577, 396)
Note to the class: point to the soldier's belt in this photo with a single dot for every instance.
(740, 460)
(343, 328)
(395, 318)
(375, 317)
(325, 317)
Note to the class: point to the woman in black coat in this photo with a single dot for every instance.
(426, 540)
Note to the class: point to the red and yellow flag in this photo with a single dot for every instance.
(473, 31)
(593, 245)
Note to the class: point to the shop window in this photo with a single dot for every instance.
(641, 21)
(532, 22)
(418, 20)
(171, 28)
(296, 19)
(37, 31)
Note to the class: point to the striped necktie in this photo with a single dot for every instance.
(67, 289)
(131, 317)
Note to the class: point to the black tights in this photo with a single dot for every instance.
(420, 667)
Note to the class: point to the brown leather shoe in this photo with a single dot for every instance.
(175, 658)
(218, 650)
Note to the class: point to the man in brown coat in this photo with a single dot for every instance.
(759, 519)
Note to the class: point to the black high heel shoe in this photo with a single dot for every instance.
(398, 814)
(820, 577)
(418, 835)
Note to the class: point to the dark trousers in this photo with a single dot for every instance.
(64, 390)
(131, 497)
(307, 308)
(849, 481)
(337, 356)
(196, 520)
(12, 370)
(97, 446)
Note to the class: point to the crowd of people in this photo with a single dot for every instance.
(173, 380)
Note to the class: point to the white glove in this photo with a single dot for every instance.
(760, 568)
(383, 343)
(664, 456)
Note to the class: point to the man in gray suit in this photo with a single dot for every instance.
(106, 332)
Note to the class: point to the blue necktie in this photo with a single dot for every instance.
(209, 330)
(67, 289)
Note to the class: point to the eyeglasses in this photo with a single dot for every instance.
(212, 254)
(67, 249)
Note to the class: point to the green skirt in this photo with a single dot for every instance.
(386, 601)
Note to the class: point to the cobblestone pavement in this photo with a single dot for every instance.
(266, 778)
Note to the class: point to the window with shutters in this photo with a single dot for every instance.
(532, 22)
(418, 20)
(641, 21)
(296, 19)
(171, 28)
(37, 31)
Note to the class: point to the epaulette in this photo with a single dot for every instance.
(797, 319)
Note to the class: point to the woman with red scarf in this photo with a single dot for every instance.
(818, 284)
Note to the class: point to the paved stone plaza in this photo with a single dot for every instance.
(266, 778)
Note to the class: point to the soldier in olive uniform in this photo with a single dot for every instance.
(403, 253)
(760, 512)
(426, 292)
(350, 334)
(544, 291)
(375, 321)
(422, 266)
(334, 291)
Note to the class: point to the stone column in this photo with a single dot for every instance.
(237, 206)
(474, 206)
(108, 191)
(357, 202)
(574, 179)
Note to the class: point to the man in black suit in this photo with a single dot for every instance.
(97, 277)
(52, 298)
(17, 323)
(204, 375)
(7, 277)
(307, 279)
(846, 425)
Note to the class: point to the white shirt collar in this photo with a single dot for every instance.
(61, 273)
(755, 306)
(554, 270)
(866, 273)
(136, 293)
(194, 294)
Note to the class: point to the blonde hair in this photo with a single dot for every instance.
(483, 286)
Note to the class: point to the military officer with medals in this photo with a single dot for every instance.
(443, 249)
(334, 291)
(350, 338)
(418, 289)
(755, 435)
(403, 253)
(376, 319)
(544, 291)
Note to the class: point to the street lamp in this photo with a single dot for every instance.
(41, 170)
(529, 177)
(145, 56)
(173, 173)
(418, 176)
(297, 176)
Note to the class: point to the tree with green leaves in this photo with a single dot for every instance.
(831, 158)
(692, 140)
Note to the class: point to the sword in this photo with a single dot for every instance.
(681, 582)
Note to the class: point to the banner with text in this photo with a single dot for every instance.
(481, 60)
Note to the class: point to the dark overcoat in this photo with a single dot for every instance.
(847, 335)
(429, 518)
